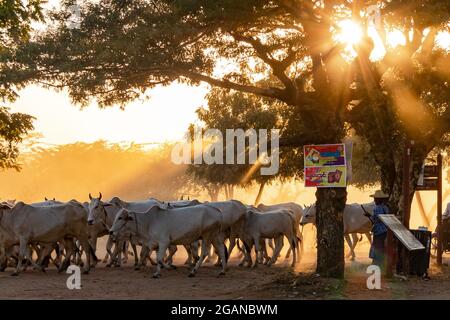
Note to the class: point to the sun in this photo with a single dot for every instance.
(348, 32)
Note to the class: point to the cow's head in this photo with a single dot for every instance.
(309, 215)
(120, 222)
(97, 211)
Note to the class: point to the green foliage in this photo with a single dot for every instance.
(15, 20)
(237, 110)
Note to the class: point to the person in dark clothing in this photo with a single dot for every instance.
(379, 230)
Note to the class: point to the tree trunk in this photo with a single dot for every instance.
(330, 206)
(260, 192)
(231, 193)
(392, 177)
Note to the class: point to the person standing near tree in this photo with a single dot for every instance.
(379, 230)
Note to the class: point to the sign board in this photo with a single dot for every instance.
(401, 232)
(428, 178)
(430, 171)
(428, 185)
(325, 165)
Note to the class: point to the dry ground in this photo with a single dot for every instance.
(276, 282)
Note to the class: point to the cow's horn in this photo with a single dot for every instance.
(100, 196)
(46, 199)
(90, 197)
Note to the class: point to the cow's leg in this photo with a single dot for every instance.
(278, 246)
(172, 250)
(350, 245)
(205, 250)
(299, 245)
(162, 248)
(354, 242)
(125, 252)
(142, 257)
(257, 243)
(114, 255)
(29, 258)
(248, 244)
(241, 249)
(293, 242)
(22, 251)
(86, 247)
(3, 257)
(68, 246)
(194, 251)
(22, 248)
(109, 252)
(136, 257)
(232, 244)
(149, 257)
(264, 256)
(221, 249)
(118, 258)
(288, 253)
(45, 256)
(93, 242)
(3, 262)
(189, 255)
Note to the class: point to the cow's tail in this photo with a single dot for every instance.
(293, 240)
(238, 245)
(247, 248)
(94, 256)
(226, 253)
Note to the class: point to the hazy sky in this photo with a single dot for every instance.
(166, 116)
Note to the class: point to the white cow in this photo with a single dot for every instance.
(101, 216)
(354, 222)
(274, 224)
(233, 213)
(161, 227)
(25, 224)
(298, 214)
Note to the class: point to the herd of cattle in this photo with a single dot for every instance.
(61, 233)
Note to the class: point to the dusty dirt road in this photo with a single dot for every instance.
(276, 282)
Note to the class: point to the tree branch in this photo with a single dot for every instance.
(269, 92)
(278, 67)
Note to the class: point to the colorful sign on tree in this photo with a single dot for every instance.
(325, 166)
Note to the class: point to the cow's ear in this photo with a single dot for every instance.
(107, 204)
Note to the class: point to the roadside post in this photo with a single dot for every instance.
(431, 180)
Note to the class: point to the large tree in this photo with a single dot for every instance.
(242, 111)
(404, 96)
(282, 50)
(15, 27)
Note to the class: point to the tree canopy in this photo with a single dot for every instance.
(15, 27)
